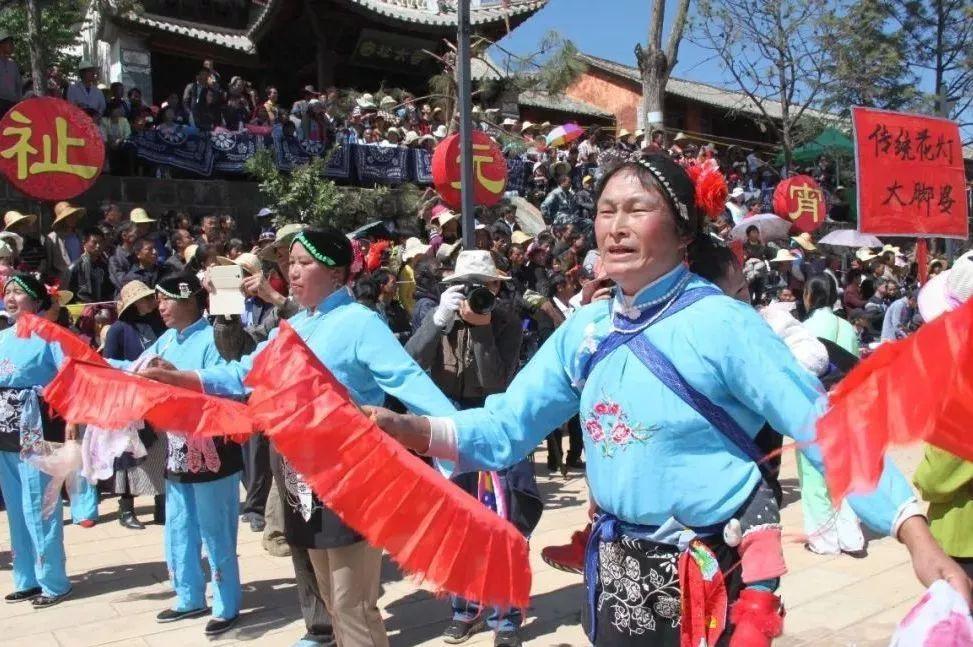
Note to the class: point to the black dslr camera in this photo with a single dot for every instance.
(480, 299)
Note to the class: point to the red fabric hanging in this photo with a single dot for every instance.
(110, 398)
(919, 388)
(922, 260)
(428, 525)
(72, 345)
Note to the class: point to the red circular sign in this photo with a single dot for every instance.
(489, 171)
(800, 200)
(50, 149)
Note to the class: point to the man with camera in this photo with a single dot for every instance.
(470, 344)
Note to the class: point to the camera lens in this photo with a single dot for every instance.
(481, 300)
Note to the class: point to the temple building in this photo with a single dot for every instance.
(364, 44)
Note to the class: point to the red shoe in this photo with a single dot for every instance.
(86, 523)
(569, 558)
(758, 617)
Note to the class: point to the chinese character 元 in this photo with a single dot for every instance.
(491, 185)
(59, 164)
(808, 200)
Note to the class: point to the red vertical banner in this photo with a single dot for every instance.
(922, 260)
(911, 180)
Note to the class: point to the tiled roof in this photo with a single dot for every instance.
(439, 13)
(562, 103)
(696, 91)
(231, 39)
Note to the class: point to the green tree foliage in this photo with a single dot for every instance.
(869, 62)
(306, 196)
(60, 22)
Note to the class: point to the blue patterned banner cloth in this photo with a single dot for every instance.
(382, 164)
(183, 149)
(232, 150)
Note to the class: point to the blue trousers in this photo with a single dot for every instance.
(467, 611)
(199, 514)
(84, 503)
(37, 543)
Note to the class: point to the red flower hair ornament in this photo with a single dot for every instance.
(710, 187)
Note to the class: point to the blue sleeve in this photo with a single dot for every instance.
(396, 372)
(764, 376)
(509, 426)
(226, 378)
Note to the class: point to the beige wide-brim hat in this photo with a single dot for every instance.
(414, 247)
(440, 132)
(285, 235)
(15, 242)
(64, 297)
(250, 263)
(520, 237)
(623, 133)
(527, 126)
(411, 138)
(783, 256)
(446, 250)
(66, 210)
(475, 265)
(804, 240)
(426, 138)
(130, 293)
(140, 216)
(865, 254)
(681, 137)
(12, 218)
(509, 122)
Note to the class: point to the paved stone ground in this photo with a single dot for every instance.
(119, 579)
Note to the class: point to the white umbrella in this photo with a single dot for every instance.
(850, 238)
(771, 226)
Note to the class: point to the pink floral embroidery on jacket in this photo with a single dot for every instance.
(609, 428)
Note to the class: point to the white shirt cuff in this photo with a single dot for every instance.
(442, 439)
(910, 508)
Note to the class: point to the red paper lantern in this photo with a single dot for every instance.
(800, 200)
(489, 171)
(50, 149)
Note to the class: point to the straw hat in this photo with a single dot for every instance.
(131, 292)
(475, 265)
(12, 218)
(140, 216)
(443, 217)
(189, 253)
(15, 242)
(681, 137)
(527, 126)
(804, 240)
(411, 138)
(393, 131)
(520, 237)
(623, 133)
(283, 238)
(366, 101)
(387, 100)
(64, 297)
(426, 138)
(446, 250)
(865, 254)
(440, 132)
(738, 192)
(509, 122)
(414, 247)
(891, 248)
(65, 210)
(783, 256)
(250, 263)
(639, 134)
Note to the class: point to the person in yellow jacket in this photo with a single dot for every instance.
(946, 482)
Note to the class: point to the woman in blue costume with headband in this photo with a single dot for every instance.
(672, 380)
(26, 366)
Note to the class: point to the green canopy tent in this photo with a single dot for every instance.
(830, 142)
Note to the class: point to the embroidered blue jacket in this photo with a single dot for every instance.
(650, 456)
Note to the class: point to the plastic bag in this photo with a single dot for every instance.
(940, 619)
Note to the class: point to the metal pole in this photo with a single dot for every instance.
(465, 91)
